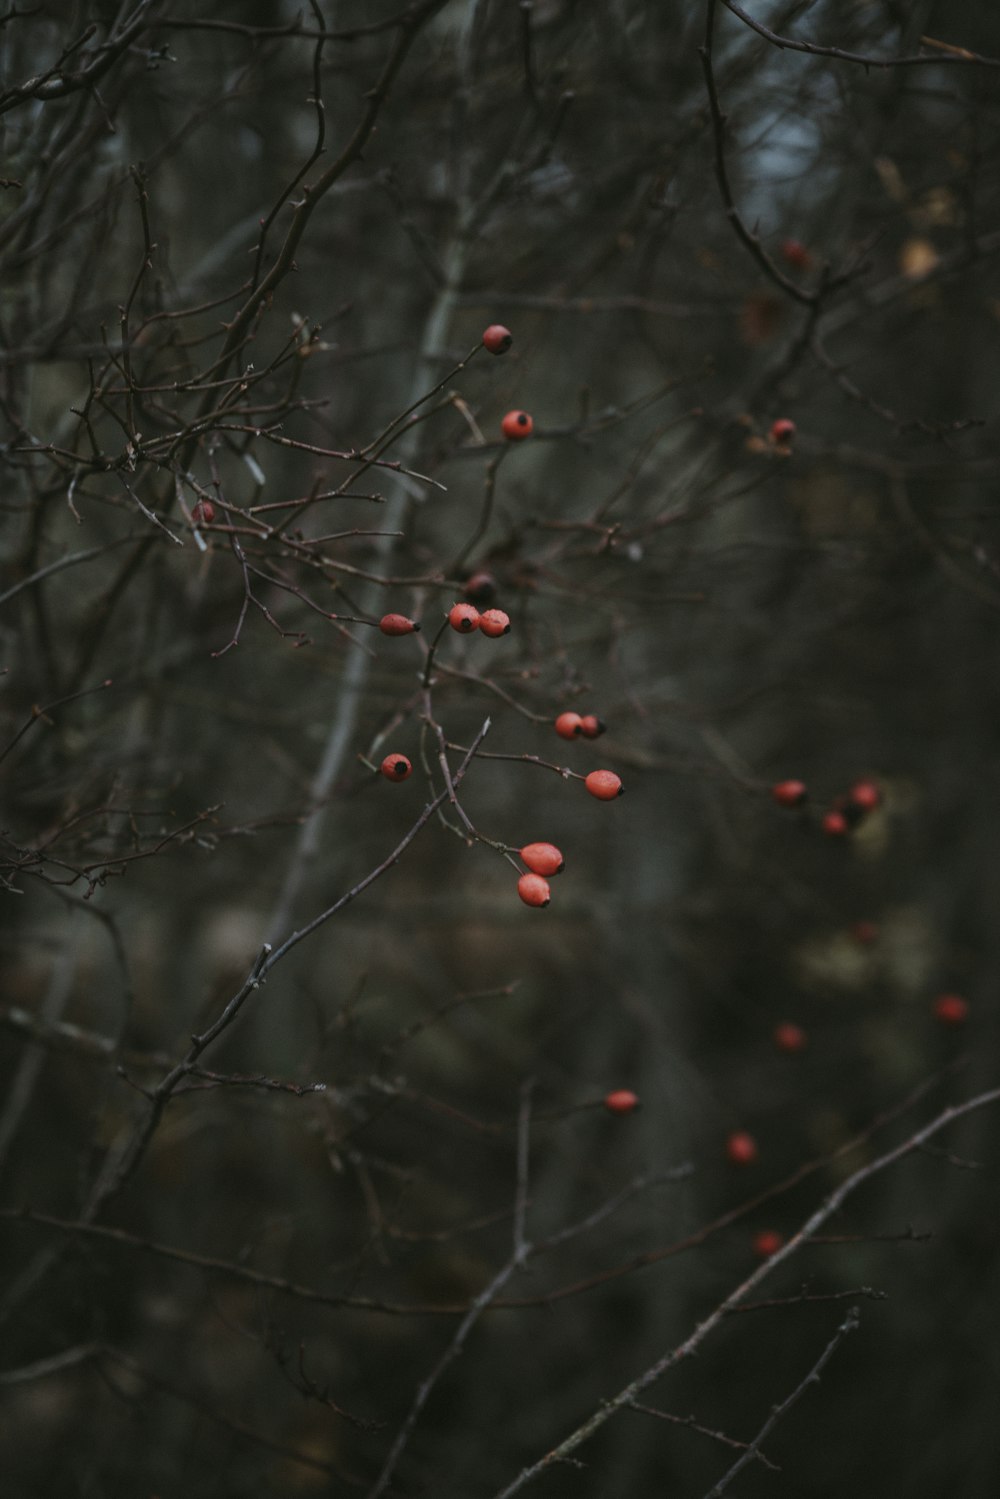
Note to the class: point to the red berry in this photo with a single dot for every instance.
(767, 1241)
(464, 618)
(604, 784)
(396, 768)
(951, 1009)
(621, 1101)
(864, 796)
(741, 1148)
(542, 858)
(203, 514)
(782, 431)
(497, 338)
(569, 725)
(789, 1037)
(592, 727)
(795, 254)
(790, 793)
(494, 622)
(834, 824)
(397, 624)
(517, 425)
(481, 588)
(533, 890)
(864, 932)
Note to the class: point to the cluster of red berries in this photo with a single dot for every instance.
(463, 618)
(603, 784)
(846, 812)
(542, 859)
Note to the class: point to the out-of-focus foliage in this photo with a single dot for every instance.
(240, 243)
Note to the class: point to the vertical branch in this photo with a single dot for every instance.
(521, 1199)
(743, 233)
(25, 1079)
(479, 1305)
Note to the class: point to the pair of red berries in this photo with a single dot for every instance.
(516, 425)
(464, 618)
(577, 726)
(848, 810)
(542, 859)
(603, 784)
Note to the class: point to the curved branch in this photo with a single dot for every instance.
(945, 54)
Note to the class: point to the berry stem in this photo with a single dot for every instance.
(391, 432)
(425, 680)
(560, 770)
(485, 513)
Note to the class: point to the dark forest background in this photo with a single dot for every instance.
(372, 1230)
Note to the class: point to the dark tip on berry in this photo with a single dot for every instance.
(497, 338)
(522, 419)
(399, 768)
